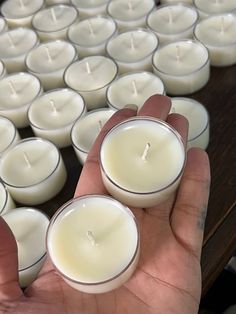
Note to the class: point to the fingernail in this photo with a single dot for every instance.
(131, 106)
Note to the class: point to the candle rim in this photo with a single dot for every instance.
(4, 72)
(5, 26)
(89, 8)
(14, 135)
(208, 12)
(6, 197)
(16, 17)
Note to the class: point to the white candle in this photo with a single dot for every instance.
(20, 12)
(198, 118)
(49, 60)
(86, 129)
(133, 88)
(184, 66)
(133, 50)
(29, 226)
(172, 22)
(91, 35)
(53, 22)
(14, 46)
(90, 77)
(52, 115)
(33, 171)
(6, 201)
(142, 160)
(206, 8)
(217, 33)
(176, 1)
(93, 241)
(130, 14)
(17, 91)
(3, 25)
(88, 8)
(9, 135)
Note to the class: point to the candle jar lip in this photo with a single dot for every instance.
(181, 4)
(14, 135)
(50, 7)
(6, 197)
(133, 30)
(89, 7)
(189, 41)
(3, 72)
(123, 208)
(17, 17)
(205, 12)
(101, 16)
(28, 139)
(163, 124)
(45, 94)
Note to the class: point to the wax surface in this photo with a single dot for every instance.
(215, 6)
(14, 9)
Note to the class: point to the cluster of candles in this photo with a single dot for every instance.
(65, 68)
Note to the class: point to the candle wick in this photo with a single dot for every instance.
(27, 160)
(132, 41)
(170, 15)
(134, 87)
(100, 125)
(21, 3)
(88, 68)
(91, 238)
(48, 54)
(90, 27)
(222, 25)
(130, 6)
(54, 109)
(53, 13)
(10, 39)
(178, 53)
(145, 152)
(12, 88)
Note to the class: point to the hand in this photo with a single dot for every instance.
(168, 277)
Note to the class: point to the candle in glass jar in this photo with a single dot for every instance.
(90, 77)
(88, 8)
(93, 242)
(17, 91)
(217, 33)
(6, 201)
(9, 135)
(183, 66)
(212, 7)
(133, 88)
(53, 22)
(14, 46)
(33, 171)
(91, 35)
(133, 50)
(48, 62)
(142, 161)
(52, 115)
(29, 227)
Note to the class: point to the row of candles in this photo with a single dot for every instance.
(76, 70)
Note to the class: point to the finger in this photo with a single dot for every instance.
(9, 282)
(189, 213)
(157, 106)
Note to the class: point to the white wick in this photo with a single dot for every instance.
(178, 52)
(134, 87)
(130, 6)
(132, 41)
(54, 109)
(170, 15)
(10, 39)
(100, 125)
(88, 68)
(48, 54)
(53, 13)
(145, 152)
(27, 160)
(21, 3)
(91, 238)
(90, 27)
(12, 88)
(222, 25)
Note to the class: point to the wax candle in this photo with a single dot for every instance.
(133, 50)
(48, 62)
(88, 8)
(14, 45)
(90, 77)
(52, 115)
(206, 8)
(3, 25)
(217, 33)
(33, 171)
(86, 129)
(142, 161)
(172, 22)
(130, 14)
(53, 22)
(93, 242)
(9, 135)
(29, 226)
(184, 66)
(17, 91)
(91, 35)
(6, 201)
(20, 12)
(133, 88)
(198, 118)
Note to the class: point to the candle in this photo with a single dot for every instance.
(33, 171)
(133, 50)
(90, 77)
(52, 115)
(86, 129)
(142, 161)
(183, 66)
(49, 60)
(8, 134)
(172, 22)
(53, 22)
(29, 226)
(206, 8)
(20, 12)
(93, 242)
(133, 88)
(6, 201)
(14, 45)
(217, 33)
(17, 91)
(198, 118)
(88, 8)
(3, 25)
(91, 35)
(130, 14)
